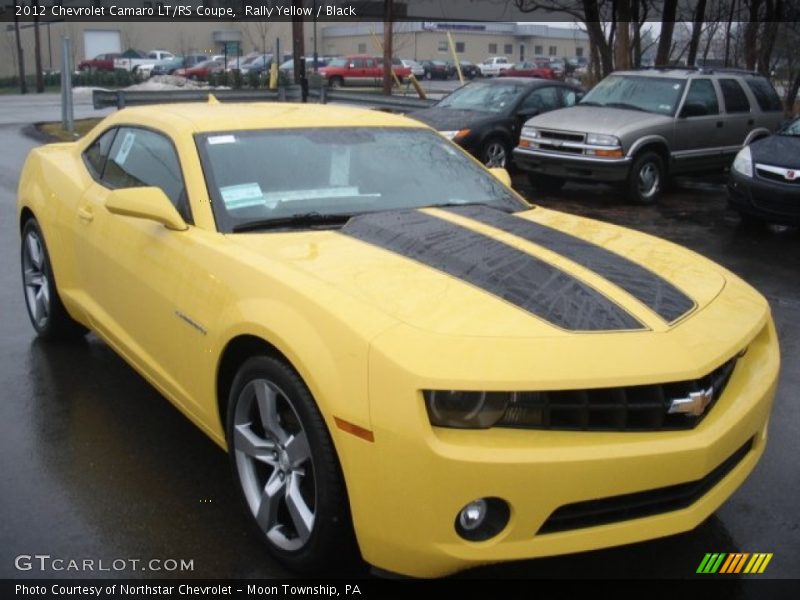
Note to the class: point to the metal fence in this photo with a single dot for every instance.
(123, 98)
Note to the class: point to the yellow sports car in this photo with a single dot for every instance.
(396, 349)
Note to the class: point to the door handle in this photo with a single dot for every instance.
(719, 124)
(84, 214)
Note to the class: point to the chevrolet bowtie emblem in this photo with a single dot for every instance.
(694, 405)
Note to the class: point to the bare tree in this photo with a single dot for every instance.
(130, 36)
(622, 46)
(388, 23)
(257, 32)
(667, 27)
(772, 19)
(697, 30)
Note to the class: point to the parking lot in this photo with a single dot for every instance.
(97, 464)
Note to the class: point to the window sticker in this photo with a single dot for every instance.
(221, 139)
(125, 148)
(245, 195)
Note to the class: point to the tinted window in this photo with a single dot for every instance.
(96, 154)
(141, 158)
(765, 94)
(734, 96)
(544, 99)
(702, 91)
(359, 63)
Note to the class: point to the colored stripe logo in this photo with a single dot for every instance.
(737, 562)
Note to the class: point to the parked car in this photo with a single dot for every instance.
(435, 69)
(485, 117)
(287, 67)
(237, 62)
(167, 67)
(201, 71)
(145, 69)
(529, 69)
(403, 358)
(468, 69)
(636, 128)
(559, 67)
(258, 65)
(101, 62)
(493, 66)
(359, 70)
(133, 60)
(416, 68)
(764, 183)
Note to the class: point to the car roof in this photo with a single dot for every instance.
(686, 73)
(199, 117)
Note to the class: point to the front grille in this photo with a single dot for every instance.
(769, 175)
(563, 136)
(640, 504)
(551, 148)
(633, 408)
(784, 204)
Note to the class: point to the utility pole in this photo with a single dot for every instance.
(298, 43)
(37, 50)
(388, 23)
(23, 86)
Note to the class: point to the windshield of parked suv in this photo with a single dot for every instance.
(263, 175)
(338, 62)
(650, 94)
(792, 128)
(484, 96)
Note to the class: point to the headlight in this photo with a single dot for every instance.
(598, 139)
(465, 410)
(743, 163)
(530, 132)
(455, 135)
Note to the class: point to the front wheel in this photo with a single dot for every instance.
(286, 467)
(646, 178)
(495, 153)
(45, 309)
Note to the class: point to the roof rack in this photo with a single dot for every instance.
(705, 70)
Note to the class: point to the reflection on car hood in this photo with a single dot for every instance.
(597, 119)
(456, 272)
(448, 119)
(777, 150)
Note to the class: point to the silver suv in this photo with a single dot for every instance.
(639, 127)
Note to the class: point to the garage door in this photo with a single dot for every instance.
(96, 41)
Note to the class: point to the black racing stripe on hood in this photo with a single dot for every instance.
(502, 270)
(650, 289)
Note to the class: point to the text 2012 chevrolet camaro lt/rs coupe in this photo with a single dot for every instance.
(426, 365)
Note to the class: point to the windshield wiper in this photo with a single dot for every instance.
(626, 105)
(296, 221)
(589, 103)
(490, 204)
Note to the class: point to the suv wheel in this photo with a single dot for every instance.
(646, 178)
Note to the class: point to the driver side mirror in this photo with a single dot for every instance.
(501, 174)
(694, 109)
(149, 203)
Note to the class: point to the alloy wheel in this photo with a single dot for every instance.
(35, 279)
(648, 179)
(494, 155)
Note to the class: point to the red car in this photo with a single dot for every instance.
(527, 69)
(359, 70)
(101, 62)
(200, 71)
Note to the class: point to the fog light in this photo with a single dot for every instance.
(472, 515)
(482, 519)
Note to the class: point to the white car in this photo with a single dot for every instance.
(416, 69)
(144, 66)
(494, 65)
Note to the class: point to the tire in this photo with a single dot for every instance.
(495, 152)
(646, 178)
(278, 441)
(336, 82)
(546, 183)
(45, 309)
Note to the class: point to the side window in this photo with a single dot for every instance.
(141, 158)
(702, 91)
(570, 97)
(735, 99)
(359, 63)
(543, 99)
(765, 94)
(95, 155)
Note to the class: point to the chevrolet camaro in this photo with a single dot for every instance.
(427, 370)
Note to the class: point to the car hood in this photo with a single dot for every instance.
(596, 119)
(777, 150)
(448, 119)
(476, 271)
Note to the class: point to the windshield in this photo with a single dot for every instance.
(651, 94)
(257, 176)
(484, 96)
(792, 128)
(338, 62)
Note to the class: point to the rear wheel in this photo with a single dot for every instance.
(646, 178)
(336, 82)
(286, 467)
(45, 309)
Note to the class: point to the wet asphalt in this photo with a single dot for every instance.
(96, 464)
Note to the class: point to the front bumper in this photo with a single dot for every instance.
(574, 167)
(772, 201)
(408, 486)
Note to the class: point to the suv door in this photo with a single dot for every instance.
(698, 137)
(739, 117)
